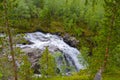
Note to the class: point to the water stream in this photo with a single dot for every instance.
(54, 43)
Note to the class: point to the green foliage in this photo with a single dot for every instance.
(25, 72)
(88, 20)
(115, 59)
(73, 77)
(47, 64)
(6, 70)
(112, 28)
(1, 75)
(64, 64)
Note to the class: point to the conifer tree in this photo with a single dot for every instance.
(25, 71)
(111, 22)
(47, 64)
(7, 25)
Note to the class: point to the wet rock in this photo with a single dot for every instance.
(58, 33)
(68, 74)
(55, 45)
(27, 42)
(36, 68)
(98, 75)
(72, 41)
(32, 52)
(33, 55)
(58, 70)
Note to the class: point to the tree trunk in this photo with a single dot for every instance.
(10, 40)
(110, 25)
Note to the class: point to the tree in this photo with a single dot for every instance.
(47, 64)
(112, 19)
(25, 72)
(10, 38)
(110, 27)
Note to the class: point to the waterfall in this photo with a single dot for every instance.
(40, 40)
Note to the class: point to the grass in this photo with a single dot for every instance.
(111, 77)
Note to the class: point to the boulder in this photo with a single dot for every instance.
(98, 75)
(72, 41)
(33, 56)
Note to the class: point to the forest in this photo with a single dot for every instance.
(59, 39)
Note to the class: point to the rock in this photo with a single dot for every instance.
(55, 45)
(58, 33)
(36, 68)
(27, 42)
(68, 74)
(2, 35)
(72, 41)
(32, 52)
(98, 75)
(37, 75)
(33, 55)
(58, 70)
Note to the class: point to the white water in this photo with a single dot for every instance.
(2, 35)
(55, 42)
